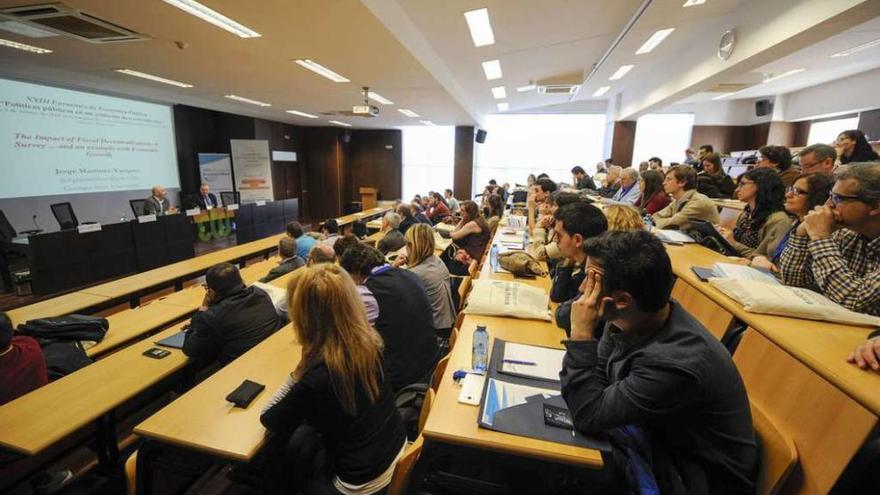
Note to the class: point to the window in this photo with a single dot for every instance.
(826, 131)
(519, 145)
(428, 159)
(664, 135)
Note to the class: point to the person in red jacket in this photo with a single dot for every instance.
(654, 198)
(22, 366)
(438, 209)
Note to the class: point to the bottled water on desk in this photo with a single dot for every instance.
(480, 356)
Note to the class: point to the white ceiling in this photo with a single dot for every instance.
(419, 54)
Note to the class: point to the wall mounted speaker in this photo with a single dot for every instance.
(481, 136)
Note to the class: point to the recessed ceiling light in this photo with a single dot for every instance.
(343, 124)
(654, 40)
(248, 100)
(523, 89)
(492, 69)
(621, 72)
(144, 75)
(499, 92)
(22, 46)
(601, 91)
(377, 97)
(691, 3)
(481, 28)
(407, 112)
(428, 123)
(302, 114)
(864, 46)
(503, 106)
(214, 17)
(320, 70)
(784, 74)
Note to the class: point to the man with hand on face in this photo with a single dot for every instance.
(658, 384)
(836, 248)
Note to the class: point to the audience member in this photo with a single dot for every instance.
(232, 319)
(657, 380)
(612, 182)
(405, 320)
(22, 365)
(817, 158)
(763, 222)
(623, 217)
(695, 158)
(836, 248)
(406, 217)
(542, 189)
(343, 244)
(542, 245)
(687, 203)
(712, 181)
(393, 238)
(629, 192)
(494, 210)
(779, 159)
(643, 167)
(853, 147)
(437, 210)
(421, 260)
(290, 260)
(653, 198)
(807, 192)
(655, 163)
(454, 207)
(418, 214)
(304, 242)
(867, 355)
(321, 253)
(581, 180)
(330, 231)
(338, 396)
(472, 232)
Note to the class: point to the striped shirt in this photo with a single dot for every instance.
(845, 268)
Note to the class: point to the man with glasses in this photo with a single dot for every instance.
(836, 248)
(817, 158)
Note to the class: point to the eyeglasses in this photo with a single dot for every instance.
(796, 191)
(836, 199)
(743, 183)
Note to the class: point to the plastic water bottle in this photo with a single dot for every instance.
(649, 222)
(480, 356)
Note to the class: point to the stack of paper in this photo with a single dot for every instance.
(743, 272)
(532, 361)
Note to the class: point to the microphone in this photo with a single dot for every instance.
(34, 219)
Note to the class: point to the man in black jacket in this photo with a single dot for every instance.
(657, 381)
(206, 199)
(232, 319)
(290, 261)
(405, 321)
(581, 179)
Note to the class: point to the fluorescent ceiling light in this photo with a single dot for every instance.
(481, 28)
(601, 91)
(523, 89)
(621, 72)
(654, 40)
(302, 114)
(427, 122)
(407, 112)
(864, 46)
(503, 106)
(144, 75)
(343, 124)
(320, 70)
(492, 69)
(377, 97)
(691, 3)
(499, 92)
(214, 17)
(22, 46)
(784, 74)
(248, 100)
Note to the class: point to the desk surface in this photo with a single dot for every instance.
(822, 346)
(43, 417)
(57, 306)
(347, 219)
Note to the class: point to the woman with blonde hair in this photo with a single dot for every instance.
(421, 260)
(623, 217)
(338, 390)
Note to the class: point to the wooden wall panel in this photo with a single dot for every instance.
(623, 141)
(286, 181)
(325, 160)
(756, 136)
(723, 138)
(463, 177)
(374, 164)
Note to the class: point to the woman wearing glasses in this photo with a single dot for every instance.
(852, 146)
(763, 222)
(807, 192)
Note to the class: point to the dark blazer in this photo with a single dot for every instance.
(200, 201)
(586, 182)
(406, 223)
(152, 207)
(284, 267)
(392, 241)
(231, 326)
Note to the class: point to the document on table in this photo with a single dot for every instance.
(743, 272)
(547, 361)
(673, 236)
(501, 395)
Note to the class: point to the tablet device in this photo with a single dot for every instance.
(175, 341)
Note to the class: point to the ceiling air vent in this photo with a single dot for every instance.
(66, 21)
(559, 89)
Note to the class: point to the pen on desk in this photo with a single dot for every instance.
(516, 361)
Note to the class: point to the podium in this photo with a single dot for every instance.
(368, 197)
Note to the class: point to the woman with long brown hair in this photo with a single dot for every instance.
(338, 388)
(421, 260)
(472, 232)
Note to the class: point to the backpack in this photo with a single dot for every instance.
(408, 401)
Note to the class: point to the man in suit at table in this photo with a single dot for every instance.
(206, 199)
(290, 260)
(158, 204)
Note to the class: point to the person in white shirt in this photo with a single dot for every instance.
(158, 204)
(452, 202)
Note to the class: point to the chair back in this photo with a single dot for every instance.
(404, 468)
(360, 229)
(778, 455)
(7, 231)
(463, 291)
(64, 215)
(137, 206)
(438, 372)
(230, 198)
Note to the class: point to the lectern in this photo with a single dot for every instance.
(368, 197)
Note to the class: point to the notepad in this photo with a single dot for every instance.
(743, 272)
(175, 341)
(548, 361)
(673, 236)
(471, 389)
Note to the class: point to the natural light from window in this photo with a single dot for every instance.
(826, 131)
(428, 159)
(664, 135)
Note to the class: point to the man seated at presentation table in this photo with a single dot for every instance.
(658, 383)
(206, 199)
(687, 203)
(290, 260)
(232, 319)
(836, 248)
(158, 203)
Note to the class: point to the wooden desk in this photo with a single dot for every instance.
(354, 217)
(45, 416)
(202, 420)
(57, 306)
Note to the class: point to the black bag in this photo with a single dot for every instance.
(63, 357)
(408, 401)
(70, 327)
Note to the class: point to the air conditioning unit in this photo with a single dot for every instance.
(559, 89)
(66, 21)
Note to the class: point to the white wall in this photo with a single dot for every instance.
(850, 94)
